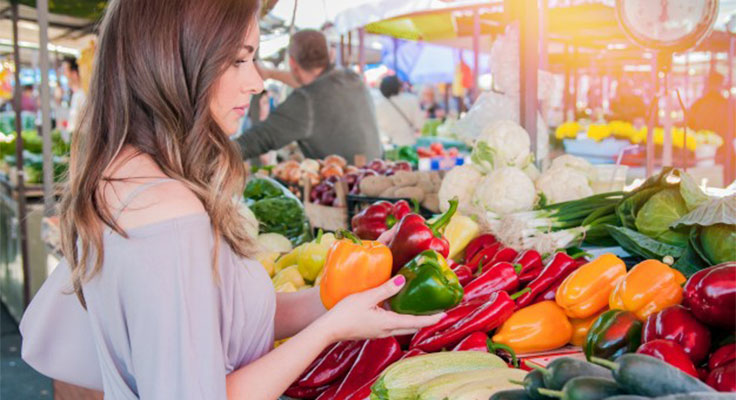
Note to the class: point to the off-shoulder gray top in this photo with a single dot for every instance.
(157, 325)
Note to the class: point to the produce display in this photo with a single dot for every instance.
(32, 155)
(277, 210)
(396, 181)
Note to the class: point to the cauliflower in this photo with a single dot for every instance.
(562, 184)
(251, 223)
(505, 190)
(570, 161)
(502, 143)
(461, 182)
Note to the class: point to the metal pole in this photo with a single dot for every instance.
(396, 55)
(730, 163)
(19, 163)
(361, 50)
(341, 53)
(476, 51)
(566, 93)
(687, 81)
(349, 59)
(667, 124)
(42, 9)
(543, 48)
(529, 64)
(654, 110)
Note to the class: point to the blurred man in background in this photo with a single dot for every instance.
(70, 69)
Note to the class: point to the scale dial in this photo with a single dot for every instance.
(670, 25)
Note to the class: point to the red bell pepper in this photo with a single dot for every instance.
(669, 352)
(381, 216)
(375, 355)
(676, 323)
(724, 355)
(365, 391)
(723, 378)
(464, 274)
(561, 265)
(478, 244)
(483, 256)
(711, 295)
(451, 317)
(502, 276)
(487, 317)
(299, 392)
(413, 236)
(531, 265)
(334, 365)
(505, 254)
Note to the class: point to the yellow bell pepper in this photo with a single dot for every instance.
(268, 260)
(289, 274)
(586, 291)
(459, 232)
(286, 287)
(288, 259)
(649, 287)
(539, 327)
(580, 328)
(311, 257)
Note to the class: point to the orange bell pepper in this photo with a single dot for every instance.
(580, 328)
(352, 266)
(539, 327)
(649, 287)
(586, 291)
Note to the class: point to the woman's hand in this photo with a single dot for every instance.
(360, 316)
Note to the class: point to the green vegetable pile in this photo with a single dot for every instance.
(277, 210)
(32, 154)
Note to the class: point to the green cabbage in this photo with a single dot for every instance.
(718, 243)
(658, 213)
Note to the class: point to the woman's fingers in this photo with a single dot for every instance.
(385, 291)
(402, 321)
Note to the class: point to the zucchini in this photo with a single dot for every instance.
(516, 394)
(649, 376)
(481, 390)
(629, 397)
(440, 387)
(586, 388)
(533, 381)
(403, 379)
(697, 396)
(561, 370)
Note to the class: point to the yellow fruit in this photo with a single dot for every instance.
(287, 259)
(289, 274)
(286, 287)
(268, 260)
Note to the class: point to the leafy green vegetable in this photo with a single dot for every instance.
(282, 215)
(691, 261)
(642, 245)
(716, 211)
(691, 192)
(263, 188)
(630, 206)
(658, 213)
(718, 243)
(483, 156)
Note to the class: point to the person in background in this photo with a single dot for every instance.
(432, 109)
(28, 101)
(70, 69)
(709, 113)
(628, 106)
(399, 116)
(331, 112)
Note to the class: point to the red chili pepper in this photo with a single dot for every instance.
(329, 394)
(506, 254)
(479, 341)
(404, 340)
(365, 391)
(299, 392)
(669, 352)
(549, 293)
(561, 265)
(478, 244)
(722, 356)
(502, 276)
(711, 295)
(676, 323)
(485, 318)
(484, 256)
(531, 265)
(334, 365)
(723, 378)
(414, 235)
(381, 216)
(375, 355)
(464, 274)
(451, 317)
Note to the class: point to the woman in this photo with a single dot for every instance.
(399, 117)
(154, 245)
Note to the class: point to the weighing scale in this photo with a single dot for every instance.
(665, 27)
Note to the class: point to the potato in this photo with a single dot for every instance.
(389, 192)
(375, 185)
(431, 202)
(426, 185)
(412, 192)
(404, 178)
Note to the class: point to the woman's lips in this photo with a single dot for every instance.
(241, 110)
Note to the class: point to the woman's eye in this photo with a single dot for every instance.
(238, 62)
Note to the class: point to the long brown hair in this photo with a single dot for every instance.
(156, 65)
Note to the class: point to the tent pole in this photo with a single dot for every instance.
(476, 52)
(42, 8)
(529, 64)
(20, 189)
(730, 163)
(361, 50)
(651, 123)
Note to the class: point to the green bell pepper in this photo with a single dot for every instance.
(614, 333)
(409, 153)
(431, 286)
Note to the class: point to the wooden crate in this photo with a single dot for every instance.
(325, 217)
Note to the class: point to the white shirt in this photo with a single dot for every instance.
(75, 108)
(393, 125)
